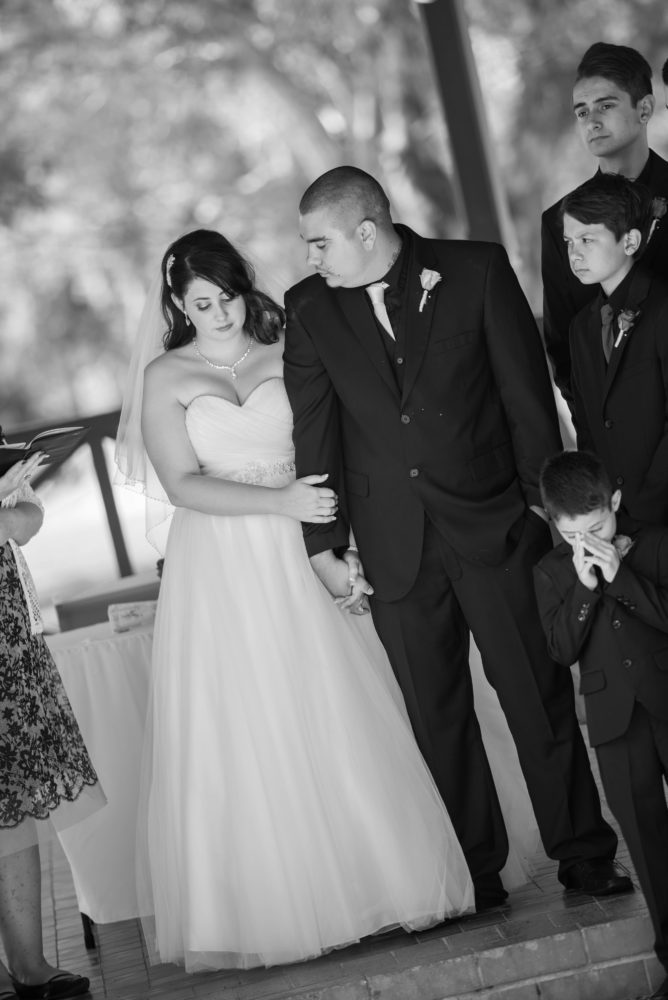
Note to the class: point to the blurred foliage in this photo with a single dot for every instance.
(128, 122)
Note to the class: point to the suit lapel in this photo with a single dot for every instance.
(417, 323)
(637, 294)
(359, 318)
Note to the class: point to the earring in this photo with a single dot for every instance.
(187, 319)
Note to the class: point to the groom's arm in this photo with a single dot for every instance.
(558, 305)
(316, 431)
(521, 372)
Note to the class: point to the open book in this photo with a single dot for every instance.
(57, 444)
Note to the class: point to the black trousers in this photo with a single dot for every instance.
(426, 635)
(633, 768)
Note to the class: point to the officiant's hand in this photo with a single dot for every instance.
(20, 473)
(306, 500)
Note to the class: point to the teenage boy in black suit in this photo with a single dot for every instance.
(432, 416)
(603, 600)
(612, 102)
(619, 342)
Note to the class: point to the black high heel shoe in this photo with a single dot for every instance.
(59, 987)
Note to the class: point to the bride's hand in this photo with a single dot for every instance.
(305, 500)
(355, 599)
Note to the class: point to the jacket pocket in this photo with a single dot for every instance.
(356, 483)
(592, 681)
(451, 343)
(493, 461)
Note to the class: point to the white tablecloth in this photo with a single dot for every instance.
(106, 676)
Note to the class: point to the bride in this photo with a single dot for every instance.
(286, 807)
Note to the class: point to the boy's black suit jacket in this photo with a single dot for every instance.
(564, 295)
(621, 413)
(618, 632)
(463, 441)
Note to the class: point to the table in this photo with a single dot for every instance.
(90, 607)
(106, 676)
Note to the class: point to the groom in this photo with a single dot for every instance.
(418, 382)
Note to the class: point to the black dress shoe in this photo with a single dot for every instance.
(596, 878)
(661, 991)
(59, 987)
(491, 899)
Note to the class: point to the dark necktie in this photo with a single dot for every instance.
(607, 316)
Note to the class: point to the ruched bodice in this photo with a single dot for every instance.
(249, 443)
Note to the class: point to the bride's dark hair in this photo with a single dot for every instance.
(206, 254)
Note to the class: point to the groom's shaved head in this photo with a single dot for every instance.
(348, 193)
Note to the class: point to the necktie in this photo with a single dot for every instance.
(607, 316)
(376, 293)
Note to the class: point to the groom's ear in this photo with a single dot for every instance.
(367, 233)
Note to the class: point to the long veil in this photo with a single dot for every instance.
(134, 468)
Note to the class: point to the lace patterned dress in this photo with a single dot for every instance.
(45, 767)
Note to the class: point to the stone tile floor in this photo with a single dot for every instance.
(591, 949)
(118, 968)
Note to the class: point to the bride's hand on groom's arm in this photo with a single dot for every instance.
(344, 579)
(307, 500)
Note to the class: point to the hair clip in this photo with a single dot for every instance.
(168, 267)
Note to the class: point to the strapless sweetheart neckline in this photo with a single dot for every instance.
(224, 399)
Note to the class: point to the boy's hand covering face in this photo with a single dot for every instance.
(583, 562)
(604, 555)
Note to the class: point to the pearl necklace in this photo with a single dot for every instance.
(232, 369)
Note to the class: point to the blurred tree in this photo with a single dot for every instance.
(128, 122)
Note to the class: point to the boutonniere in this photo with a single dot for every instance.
(659, 209)
(623, 545)
(428, 280)
(625, 322)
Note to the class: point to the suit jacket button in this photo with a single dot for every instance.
(399, 361)
(627, 663)
(616, 623)
(608, 424)
(631, 607)
(405, 419)
(620, 480)
(414, 473)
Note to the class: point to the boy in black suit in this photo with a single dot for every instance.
(619, 342)
(612, 104)
(603, 600)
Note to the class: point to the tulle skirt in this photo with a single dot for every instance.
(286, 808)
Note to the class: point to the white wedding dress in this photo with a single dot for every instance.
(286, 808)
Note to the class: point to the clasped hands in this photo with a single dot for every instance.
(589, 551)
(344, 579)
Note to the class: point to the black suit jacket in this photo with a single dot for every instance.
(462, 442)
(564, 295)
(622, 413)
(618, 632)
